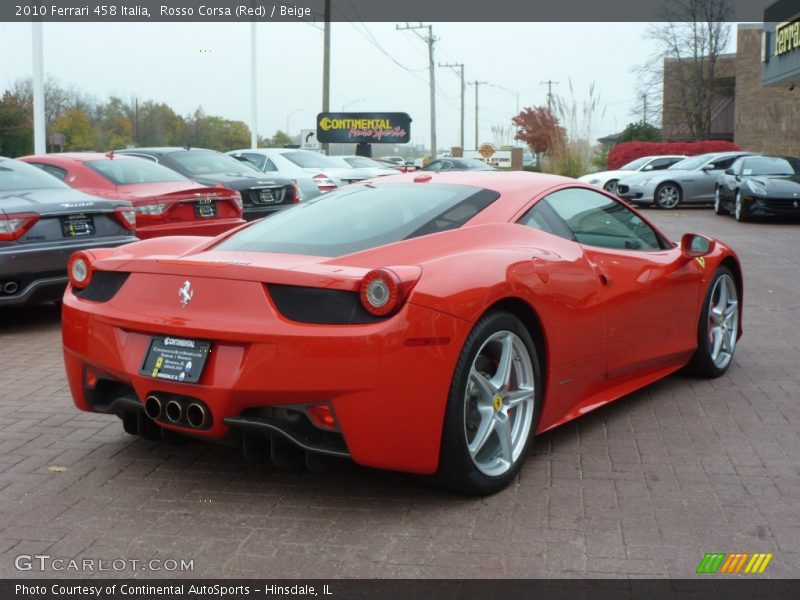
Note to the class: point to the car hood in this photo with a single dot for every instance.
(654, 177)
(779, 184)
(53, 202)
(606, 175)
(242, 182)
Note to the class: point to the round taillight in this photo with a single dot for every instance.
(79, 269)
(380, 292)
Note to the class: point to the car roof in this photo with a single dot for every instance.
(164, 150)
(80, 157)
(500, 181)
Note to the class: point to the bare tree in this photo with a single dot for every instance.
(690, 41)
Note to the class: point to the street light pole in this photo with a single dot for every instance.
(253, 87)
(39, 133)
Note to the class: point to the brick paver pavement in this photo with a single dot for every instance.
(642, 488)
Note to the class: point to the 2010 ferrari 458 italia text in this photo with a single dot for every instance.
(429, 323)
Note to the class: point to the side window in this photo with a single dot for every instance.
(541, 216)
(257, 160)
(597, 220)
(54, 171)
(269, 166)
(435, 166)
(724, 163)
(660, 164)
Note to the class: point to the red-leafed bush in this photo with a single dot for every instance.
(628, 151)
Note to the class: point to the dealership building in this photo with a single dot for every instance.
(756, 90)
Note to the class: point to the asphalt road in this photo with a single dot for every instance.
(642, 488)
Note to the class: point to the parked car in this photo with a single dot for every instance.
(457, 164)
(405, 167)
(432, 326)
(261, 196)
(365, 166)
(42, 222)
(166, 202)
(690, 181)
(759, 186)
(398, 160)
(608, 179)
(528, 159)
(314, 173)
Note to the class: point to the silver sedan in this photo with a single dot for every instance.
(690, 181)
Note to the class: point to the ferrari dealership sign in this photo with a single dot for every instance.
(363, 128)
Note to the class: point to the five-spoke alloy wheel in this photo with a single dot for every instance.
(492, 408)
(718, 329)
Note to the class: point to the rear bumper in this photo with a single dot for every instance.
(388, 396)
(205, 228)
(40, 270)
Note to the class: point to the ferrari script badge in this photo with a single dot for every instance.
(186, 293)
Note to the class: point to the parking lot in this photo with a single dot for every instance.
(642, 488)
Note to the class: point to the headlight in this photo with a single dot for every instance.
(757, 188)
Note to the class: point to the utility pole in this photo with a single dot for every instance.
(549, 83)
(253, 86)
(459, 66)
(477, 84)
(431, 65)
(39, 133)
(326, 66)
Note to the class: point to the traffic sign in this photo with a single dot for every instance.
(308, 139)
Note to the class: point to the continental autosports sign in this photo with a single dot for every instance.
(368, 128)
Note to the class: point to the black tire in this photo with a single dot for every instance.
(740, 211)
(702, 363)
(457, 469)
(674, 199)
(719, 207)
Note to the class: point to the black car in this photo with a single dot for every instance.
(42, 222)
(759, 186)
(262, 195)
(457, 164)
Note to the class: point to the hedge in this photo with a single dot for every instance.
(628, 151)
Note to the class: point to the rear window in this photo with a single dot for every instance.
(360, 217)
(16, 175)
(310, 160)
(199, 162)
(129, 171)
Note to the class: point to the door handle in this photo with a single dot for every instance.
(602, 274)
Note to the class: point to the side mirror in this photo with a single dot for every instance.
(694, 245)
(729, 172)
(708, 167)
(648, 168)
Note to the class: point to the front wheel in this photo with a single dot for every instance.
(718, 208)
(740, 211)
(492, 407)
(611, 186)
(718, 329)
(668, 196)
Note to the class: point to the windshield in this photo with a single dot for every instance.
(691, 163)
(363, 162)
(121, 171)
(310, 160)
(360, 217)
(635, 165)
(17, 175)
(770, 165)
(199, 162)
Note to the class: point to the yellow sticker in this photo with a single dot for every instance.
(701, 261)
(154, 373)
(159, 362)
(498, 402)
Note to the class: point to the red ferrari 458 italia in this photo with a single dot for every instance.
(166, 202)
(429, 323)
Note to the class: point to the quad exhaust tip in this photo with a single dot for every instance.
(152, 407)
(196, 415)
(174, 411)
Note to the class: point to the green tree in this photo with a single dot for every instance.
(78, 129)
(640, 132)
(156, 124)
(205, 131)
(280, 139)
(115, 125)
(16, 128)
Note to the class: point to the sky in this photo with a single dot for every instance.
(374, 67)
